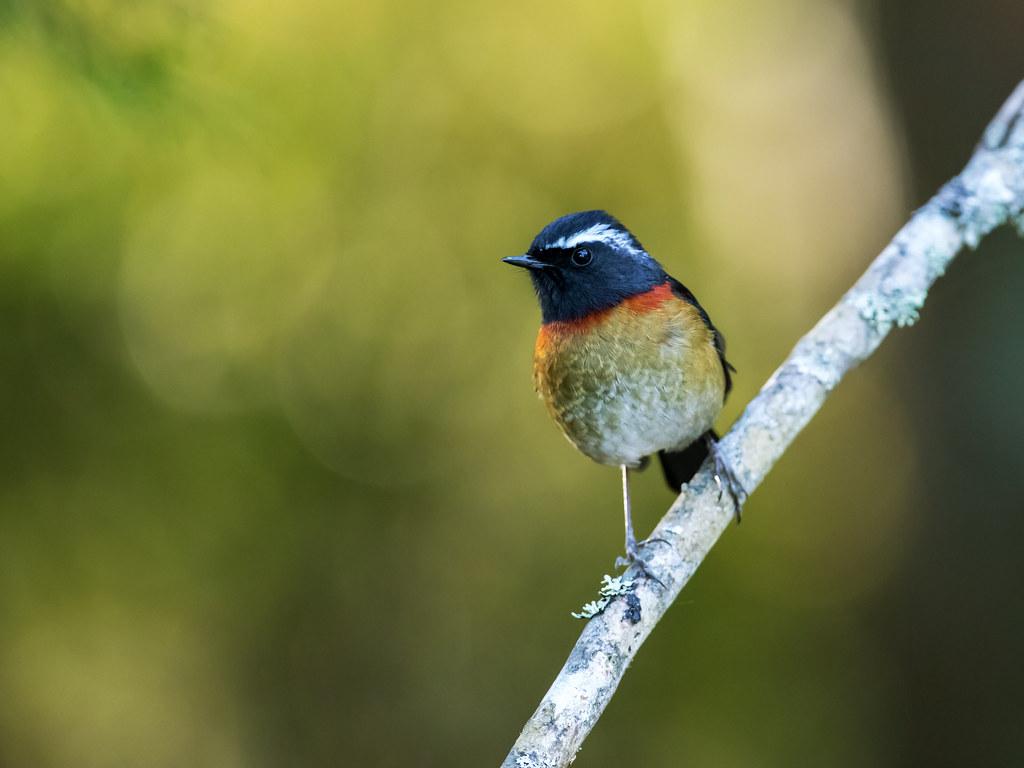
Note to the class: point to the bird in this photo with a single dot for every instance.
(626, 360)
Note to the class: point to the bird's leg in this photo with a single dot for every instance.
(723, 472)
(632, 547)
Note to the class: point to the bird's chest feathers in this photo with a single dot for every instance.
(632, 380)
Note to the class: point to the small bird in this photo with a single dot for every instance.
(627, 361)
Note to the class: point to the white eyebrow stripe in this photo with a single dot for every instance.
(593, 234)
(598, 233)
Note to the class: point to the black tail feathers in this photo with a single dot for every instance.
(681, 466)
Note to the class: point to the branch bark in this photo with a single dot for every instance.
(989, 192)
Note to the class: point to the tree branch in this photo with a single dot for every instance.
(988, 193)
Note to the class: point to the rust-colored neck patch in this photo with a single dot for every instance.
(642, 302)
(647, 301)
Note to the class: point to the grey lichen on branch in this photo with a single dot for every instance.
(988, 193)
(611, 587)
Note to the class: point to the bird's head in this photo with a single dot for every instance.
(586, 262)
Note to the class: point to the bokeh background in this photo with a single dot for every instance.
(275, 489)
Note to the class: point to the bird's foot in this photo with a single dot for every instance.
(633, 557)
(726, 479)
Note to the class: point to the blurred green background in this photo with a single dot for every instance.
(275, 489)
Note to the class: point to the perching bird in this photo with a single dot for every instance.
(627, 362)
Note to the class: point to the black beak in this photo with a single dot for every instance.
(527, 262)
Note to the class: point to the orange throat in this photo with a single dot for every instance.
(648, 301)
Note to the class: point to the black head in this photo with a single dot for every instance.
(587, 262)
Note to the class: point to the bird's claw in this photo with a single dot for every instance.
(726, 479)
(633, 558)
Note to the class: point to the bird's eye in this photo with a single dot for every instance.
(581, 257)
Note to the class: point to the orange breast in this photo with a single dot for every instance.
(626, 382)
(551, 333)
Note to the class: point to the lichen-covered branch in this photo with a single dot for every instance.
(989, 192)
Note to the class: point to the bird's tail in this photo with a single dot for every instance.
(679, 467)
